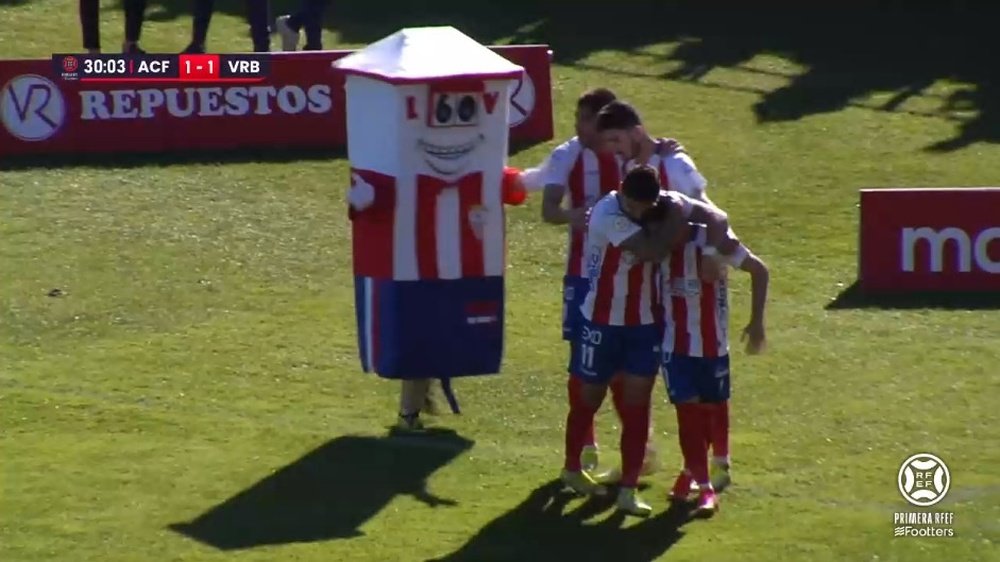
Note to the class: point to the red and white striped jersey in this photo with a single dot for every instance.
(623, 290)
(696, 313)
(422, 227)
(587, 176)
(677, 172)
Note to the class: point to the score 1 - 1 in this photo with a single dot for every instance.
(199, 67)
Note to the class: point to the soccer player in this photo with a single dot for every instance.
(621, 130)
(620, 335)
(696, 348)
(580, 174)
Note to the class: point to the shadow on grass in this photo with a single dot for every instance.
(854, 298)
(847, 54)
(330, 492)
(539, 528)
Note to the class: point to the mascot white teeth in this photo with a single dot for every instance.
(427, 134)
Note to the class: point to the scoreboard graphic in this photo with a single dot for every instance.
(114, 103)
(237, 68)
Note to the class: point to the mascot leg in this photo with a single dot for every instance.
(412, 398)
(438, 390)
(432, 401)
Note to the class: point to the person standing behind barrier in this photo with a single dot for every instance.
(90, 25)
(135, 12)
(310, 17)
(258, 15)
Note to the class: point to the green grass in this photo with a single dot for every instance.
(202, 359)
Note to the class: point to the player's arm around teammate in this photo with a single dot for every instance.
(554, 194)
(621, 130)
(666, 222)
(755, 334)
(683, 176)
(576, 172)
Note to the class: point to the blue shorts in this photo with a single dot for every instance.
(704, 378)
(574, 292)
(601, 352)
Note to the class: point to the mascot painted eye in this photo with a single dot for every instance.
(443, 111)
(467, 109)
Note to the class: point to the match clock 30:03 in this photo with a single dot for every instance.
(101, 66)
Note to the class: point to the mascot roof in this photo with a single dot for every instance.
(422, 54)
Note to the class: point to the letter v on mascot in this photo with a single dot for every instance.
(427, 133)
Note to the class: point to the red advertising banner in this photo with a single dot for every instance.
(299, 105)
(930, 240)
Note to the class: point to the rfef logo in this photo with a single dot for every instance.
(31, 107)
(923, 481)
(930, 239)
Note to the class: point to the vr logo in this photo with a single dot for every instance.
(522, 100)
(31, 107)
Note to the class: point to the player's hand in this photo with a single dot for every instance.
(578, 218)
(670, 146)
(755, 338)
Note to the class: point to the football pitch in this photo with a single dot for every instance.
(192, 391)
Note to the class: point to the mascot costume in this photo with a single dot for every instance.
(427, 134)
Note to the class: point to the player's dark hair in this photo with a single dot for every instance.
(617, 115)
(642, 183)
(594, 100)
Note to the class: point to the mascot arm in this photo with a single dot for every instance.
(363, 198)
(514, 191)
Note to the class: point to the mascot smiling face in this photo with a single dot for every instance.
(453, 126)
(452, 131)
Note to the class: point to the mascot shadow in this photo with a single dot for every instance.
(330, 492)
(540, 528)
